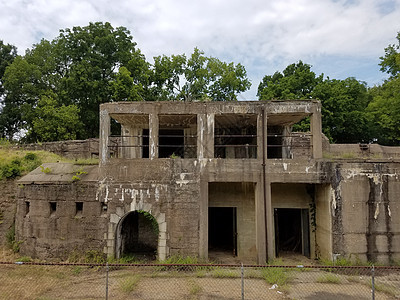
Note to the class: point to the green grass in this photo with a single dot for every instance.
(194, 287)
(329, 278)
(225, 273)
(129, 284)
(276, 275)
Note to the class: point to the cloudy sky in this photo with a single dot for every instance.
(340, 38)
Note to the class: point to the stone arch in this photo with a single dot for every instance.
(114, 239)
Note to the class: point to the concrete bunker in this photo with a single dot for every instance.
(231, 220)
(137, 235)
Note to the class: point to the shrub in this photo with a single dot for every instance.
(12, 169)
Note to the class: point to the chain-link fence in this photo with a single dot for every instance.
(47, 281)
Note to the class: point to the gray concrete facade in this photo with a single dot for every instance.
(228, 177)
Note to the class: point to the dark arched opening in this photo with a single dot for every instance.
(139, 235)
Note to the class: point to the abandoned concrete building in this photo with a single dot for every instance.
(202, 178)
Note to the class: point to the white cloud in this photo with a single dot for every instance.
(264, 36)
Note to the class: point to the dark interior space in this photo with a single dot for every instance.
(145, 143)
(243, 141)
(222, 233)
(274, 142)
(171, 143)
(288, 231)
(138, 236)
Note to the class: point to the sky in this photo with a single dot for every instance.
(339, 38)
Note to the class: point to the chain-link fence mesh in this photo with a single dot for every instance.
(115, 281)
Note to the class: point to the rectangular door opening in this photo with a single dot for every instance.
(292, 233)
(222, 230)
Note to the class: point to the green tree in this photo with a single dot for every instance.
(53, 122)
(384, 110)
(344, 103)
(390, 63)
(83, 66)
(344, 119)
(7, 55)
(197, 78)
(297, 81)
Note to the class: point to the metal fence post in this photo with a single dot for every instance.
(107, 269)
(242, 275)
(373, 282)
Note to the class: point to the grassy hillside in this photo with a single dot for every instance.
(15, 163)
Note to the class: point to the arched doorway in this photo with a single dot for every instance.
(137, 235)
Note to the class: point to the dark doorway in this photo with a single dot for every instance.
(222, 230)
(292, 231)
(139, 235)
(171, 143)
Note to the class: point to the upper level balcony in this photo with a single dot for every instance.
(198, 130)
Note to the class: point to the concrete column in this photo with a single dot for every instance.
(153, 135)
(270, 222)
(201, 135)
(260, 138)
(209, 153)
(203, 230)
(316, 131)
(104, 151)
(260, 223)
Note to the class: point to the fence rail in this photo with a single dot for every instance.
(20, 280)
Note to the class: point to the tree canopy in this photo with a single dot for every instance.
(344, 119)
(83, 67)
(197, 78)
(390, 63)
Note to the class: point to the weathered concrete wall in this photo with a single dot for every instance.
(169, 189)
(365, 210)
(48, 234)
(323, 222)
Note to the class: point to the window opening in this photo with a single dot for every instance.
(171, 143)
(78, 208)
(27, 207)
(177, 136)
(104, 207)
(274, 142)
(53, 208)
(133, 139)
(235, 136)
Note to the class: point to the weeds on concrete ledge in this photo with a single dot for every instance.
(45, 170)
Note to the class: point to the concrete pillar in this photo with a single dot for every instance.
(270, 222)
(261, 137)
(209, 153)
(260, 223)
(104, 151)
(201, 135)
(203, 230)
(316, 131)
(153, 135)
